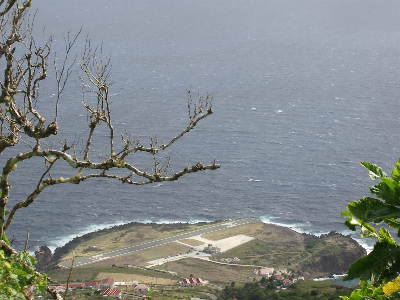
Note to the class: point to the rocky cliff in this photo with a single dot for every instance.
(335, 258)
(43, 256)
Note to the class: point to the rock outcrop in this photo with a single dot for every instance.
(335, 258)
(44, 257)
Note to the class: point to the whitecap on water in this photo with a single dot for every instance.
(91, 228)
(253, 180)
(61, 241)
(298, 227)
(367, 244)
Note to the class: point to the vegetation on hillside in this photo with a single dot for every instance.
(267, 290)
(281, 247)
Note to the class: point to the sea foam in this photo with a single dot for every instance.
(305, 227)
(62, 240)
(367, 244)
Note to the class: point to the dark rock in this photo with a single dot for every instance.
(335, 258)
(43, 257)
(92, 249)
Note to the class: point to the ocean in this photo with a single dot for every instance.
(303, 91)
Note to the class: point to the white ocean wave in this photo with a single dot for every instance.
(368, 247)
(298, 227)
(306, 228)
(62, 240)
(254, 180)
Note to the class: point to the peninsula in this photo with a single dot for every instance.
(219, 252)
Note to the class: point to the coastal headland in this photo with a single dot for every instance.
(218, 252)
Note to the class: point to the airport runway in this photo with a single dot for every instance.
(82, 261)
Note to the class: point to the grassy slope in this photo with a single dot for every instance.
(157, 293)
(136, 277)
(83, 274)
(279, 247)
(258, 230)
(210, 271)
(192, 242)
(316, 290)
(274, 246)
(142, 257)
(302, 290)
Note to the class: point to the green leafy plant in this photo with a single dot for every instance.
(367, 291)
(17, 272)
(376, 217)
(17, 275)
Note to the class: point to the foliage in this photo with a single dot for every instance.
(17, 272)
(367, 291)
(376, 218)
(266, 290)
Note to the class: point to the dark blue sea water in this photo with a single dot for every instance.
(303, 91)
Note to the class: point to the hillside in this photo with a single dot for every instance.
(302, 290)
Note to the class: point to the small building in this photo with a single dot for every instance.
(112, 293)
(107, 283)
(231, 260)
(125, 283)
(192, 282)
(235, 259)
(58, 288)
(266, 272)
(141, 288)
(91, 284)
(210, 249)
(74, 286)
(287, 282)
(279, 276)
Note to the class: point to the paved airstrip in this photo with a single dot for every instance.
(82, 261)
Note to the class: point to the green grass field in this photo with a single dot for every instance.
(210, 271)
(141, 258)
(83, 274)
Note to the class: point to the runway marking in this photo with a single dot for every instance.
(156, 243)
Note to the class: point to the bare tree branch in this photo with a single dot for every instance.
(25, 66)
(64, 72)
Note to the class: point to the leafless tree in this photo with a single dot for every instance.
(25, 65)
